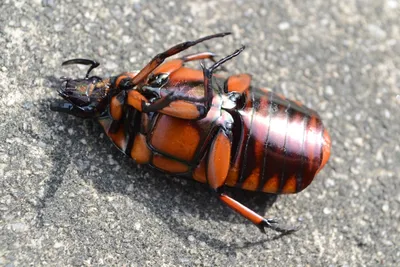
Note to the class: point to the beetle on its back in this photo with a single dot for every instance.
(220, 131)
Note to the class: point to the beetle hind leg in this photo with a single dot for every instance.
(218, 164)
(255, 218)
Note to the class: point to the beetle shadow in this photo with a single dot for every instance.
(181, 195)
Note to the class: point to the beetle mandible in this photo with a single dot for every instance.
(219, 131)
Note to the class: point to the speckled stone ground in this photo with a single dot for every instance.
(68, 197)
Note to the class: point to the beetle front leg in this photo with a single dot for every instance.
(67, 107)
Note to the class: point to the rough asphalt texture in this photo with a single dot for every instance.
(68, 197)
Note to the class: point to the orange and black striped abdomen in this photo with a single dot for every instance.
(281, 144)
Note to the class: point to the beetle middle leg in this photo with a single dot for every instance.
(182, 106)
(255, 218)
(177, 65)
(208, 73)
(199, 56)
(159, 58)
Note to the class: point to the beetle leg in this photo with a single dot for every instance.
(217, 171)
(208, 73)
(159, 58)
(182, 106)
(69, 108)
(255, 218)
(93, 64)
(179, 106)
(199, 56)
(176, 64)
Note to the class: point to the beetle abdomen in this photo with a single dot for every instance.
(280, 144)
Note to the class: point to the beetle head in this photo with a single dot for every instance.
(85, 97)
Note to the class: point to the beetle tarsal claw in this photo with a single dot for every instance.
(273, 224)
(272, 221)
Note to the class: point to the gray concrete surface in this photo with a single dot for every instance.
(68, 197)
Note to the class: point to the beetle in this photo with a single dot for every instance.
(191, 122)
